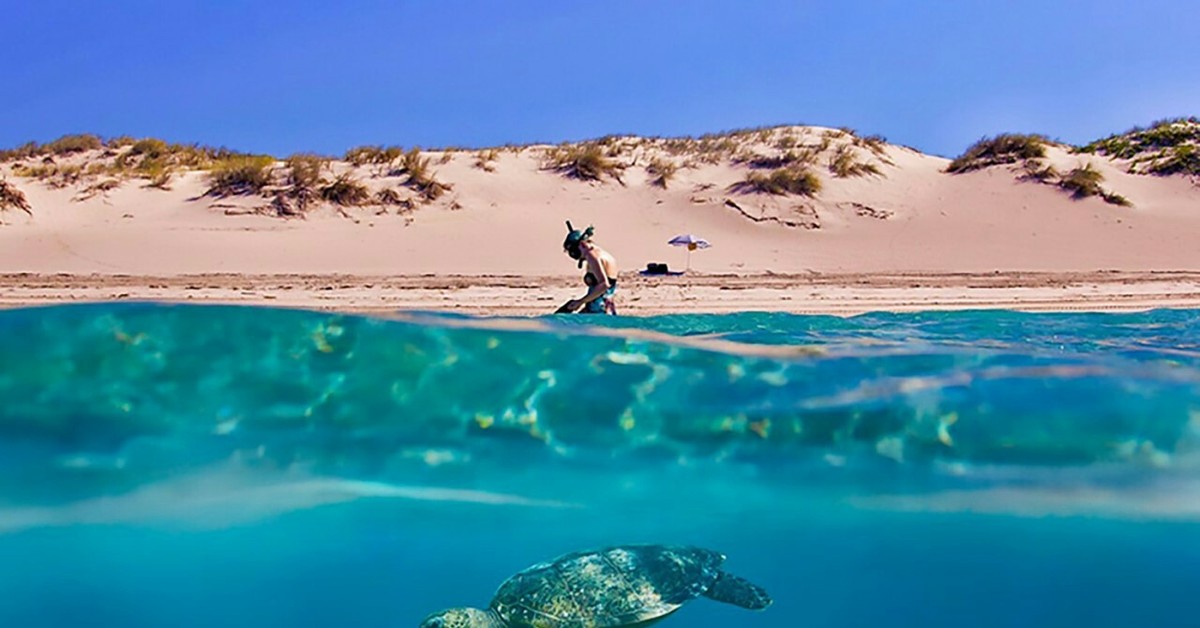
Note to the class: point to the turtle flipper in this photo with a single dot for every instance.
(738, 591)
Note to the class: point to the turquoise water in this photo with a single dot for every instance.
(201, 466)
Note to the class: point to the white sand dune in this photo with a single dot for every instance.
(912, 219)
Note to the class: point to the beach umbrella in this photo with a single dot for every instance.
(692, 243)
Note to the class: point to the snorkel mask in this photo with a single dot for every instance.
(574, 239)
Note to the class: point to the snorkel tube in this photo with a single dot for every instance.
(574, 239)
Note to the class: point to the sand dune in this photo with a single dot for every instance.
(911, 218)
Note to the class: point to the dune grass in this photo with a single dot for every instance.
(63, 146)
(1006, 148)
(157, 174)
(875, 143)
(25, 151)
(787, 141)
(389, 196)
(345, 191)
(1167, 147)
(709, 148)
(150, 155)
(1177, 160)
(100, 168)
(1112, 198)
(99, 188)
(586, 162)
(803, 156)
(56, 176)
(150, 147)
(303, 178)
(844, 163)
(1036, 170)
(363, 155)
(428, 188)
(156, 160)
(13, 198)
(1084, 182)
(420, 177)
(1167, 133)
(373, 155)
(240, 175)
(791, 180)
(485, 160)
(661, 171)
(120, 141)
(70, 144)
(304, 170)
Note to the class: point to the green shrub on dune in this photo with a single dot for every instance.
(1167, 147)
(1176, 160)
(1160, 134)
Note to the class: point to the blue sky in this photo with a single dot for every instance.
(283, 77)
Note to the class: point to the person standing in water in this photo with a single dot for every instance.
(601, 275)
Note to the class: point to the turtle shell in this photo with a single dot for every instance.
(615, 586)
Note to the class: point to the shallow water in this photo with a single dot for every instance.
(199, 466)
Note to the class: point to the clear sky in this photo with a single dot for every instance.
(301, 75)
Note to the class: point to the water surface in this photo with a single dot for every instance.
(202, 465)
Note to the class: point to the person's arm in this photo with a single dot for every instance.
(602, 281)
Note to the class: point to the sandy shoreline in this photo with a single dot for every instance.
(499, 295)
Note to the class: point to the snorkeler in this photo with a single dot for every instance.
(601, 276)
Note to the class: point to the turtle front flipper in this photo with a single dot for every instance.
(738, 591)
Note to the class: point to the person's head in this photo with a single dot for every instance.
(462, 618)
(575, 242)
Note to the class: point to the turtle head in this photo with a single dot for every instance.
(463, 618)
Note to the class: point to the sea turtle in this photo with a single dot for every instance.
(631, 585)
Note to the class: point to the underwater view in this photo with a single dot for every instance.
(195, 466)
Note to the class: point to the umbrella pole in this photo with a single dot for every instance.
(689, 260)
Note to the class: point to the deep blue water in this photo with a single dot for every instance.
(202, 466)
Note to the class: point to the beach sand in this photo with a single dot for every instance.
(838, 294)
(909, 238)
